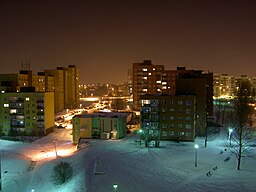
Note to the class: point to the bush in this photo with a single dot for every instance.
(62, 172)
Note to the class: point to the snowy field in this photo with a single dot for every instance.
(132, 167)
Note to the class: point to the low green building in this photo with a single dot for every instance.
(100, 125)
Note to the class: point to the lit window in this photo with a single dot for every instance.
(145, 69)
(145, 78)
(149, 73)
(154, 69)
(6, 105)
(181, 133)
(164, 83)
(145, 102)
(145, 90)
(13, 111)
(27, 98)
(158, 81)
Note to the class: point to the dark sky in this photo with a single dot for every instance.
(104, 37)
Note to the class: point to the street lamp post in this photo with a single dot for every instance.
(140, 132)
(230, 130)
(115, 186)
(54, 141)
(196, 147)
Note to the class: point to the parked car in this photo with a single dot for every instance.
(60, 126)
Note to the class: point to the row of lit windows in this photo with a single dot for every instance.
(172, 110)
(172, 133)
(26, 99)
(180, 118)
(164, 102)
(6, 105)
(27, 117)
(180, 125)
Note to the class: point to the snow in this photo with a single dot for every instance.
(134, 168)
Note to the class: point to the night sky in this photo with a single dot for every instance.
(103, 38)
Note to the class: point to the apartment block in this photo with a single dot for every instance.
(26, 112)
(172, 117)
(154, 79)
(225, 86)
(147, 79)
(72, 91)
(59, 75)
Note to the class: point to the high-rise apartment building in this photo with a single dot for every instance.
(72, 93)
(26, 112)
(59, 75)
(66, 87)
(154, 79)
(147, 79)
(225, 86)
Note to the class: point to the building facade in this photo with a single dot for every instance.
(100, 125)
(26, 112)
(154, 79)
(168, 116)
(225, 86)
(147, 79)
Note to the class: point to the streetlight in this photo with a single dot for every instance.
(230, 130)
(115, 186)
(54, 141)
(196, 147)
(140, 132)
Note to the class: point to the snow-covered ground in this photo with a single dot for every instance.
(126, 163)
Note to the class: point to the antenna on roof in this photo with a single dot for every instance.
(25, 66)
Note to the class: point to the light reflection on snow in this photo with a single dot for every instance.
(44, 155)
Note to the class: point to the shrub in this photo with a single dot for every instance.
(62, 172)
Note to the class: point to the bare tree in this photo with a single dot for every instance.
(242, 114)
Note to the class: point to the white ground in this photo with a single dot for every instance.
(132, 167)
